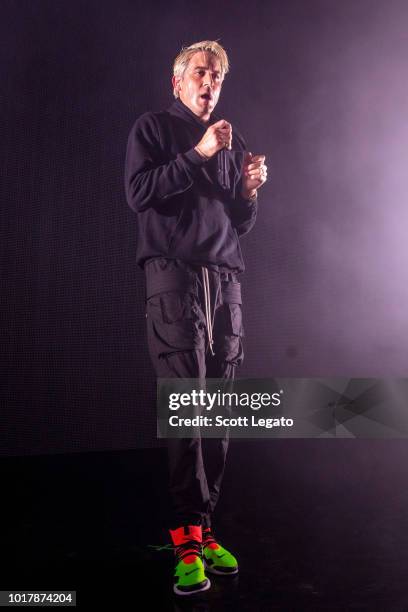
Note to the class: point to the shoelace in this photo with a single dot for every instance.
(192, 547)
(208, 538)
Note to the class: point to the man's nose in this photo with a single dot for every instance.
(208, 80)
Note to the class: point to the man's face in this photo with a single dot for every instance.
(200, 86)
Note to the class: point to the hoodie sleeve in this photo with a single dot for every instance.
(146, 179)
(244, 213)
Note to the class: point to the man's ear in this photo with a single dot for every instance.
(175, 80)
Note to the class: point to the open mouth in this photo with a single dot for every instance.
(206, 96)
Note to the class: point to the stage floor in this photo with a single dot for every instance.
(95, 523)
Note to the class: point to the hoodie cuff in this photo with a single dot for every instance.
(194, 158)
(247, 201)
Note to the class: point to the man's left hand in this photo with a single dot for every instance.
(254, 174)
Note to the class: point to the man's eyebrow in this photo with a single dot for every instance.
(205, 68)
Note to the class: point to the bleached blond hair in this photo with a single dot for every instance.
(183, 58)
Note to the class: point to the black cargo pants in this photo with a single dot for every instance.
(187, 307)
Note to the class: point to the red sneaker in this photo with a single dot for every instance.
(189, 575)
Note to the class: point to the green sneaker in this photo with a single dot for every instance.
(189, 575)
(218, 560)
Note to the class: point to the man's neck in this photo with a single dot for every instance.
(204, 119)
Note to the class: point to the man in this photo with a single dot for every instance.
(194, 188)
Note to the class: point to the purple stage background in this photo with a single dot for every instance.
(320, 87)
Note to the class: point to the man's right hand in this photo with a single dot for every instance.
(218, 136)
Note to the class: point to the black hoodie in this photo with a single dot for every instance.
(188, 208)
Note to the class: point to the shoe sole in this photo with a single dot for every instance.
(209, 568)
(187, 593)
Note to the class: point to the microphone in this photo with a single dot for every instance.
(222, 169)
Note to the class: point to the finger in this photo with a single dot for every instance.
(255, 165)
(256, 173)
(227, 138)
(258, 170)
(262, 171)
(259, 179)
(260, 158)
(225, 132)
(221, 124)
(222, 137)
(225, 142)
(218, 124)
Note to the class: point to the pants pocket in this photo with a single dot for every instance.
(173, 325)
(233, 324)
(173, 307)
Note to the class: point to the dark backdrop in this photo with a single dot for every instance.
(319, 87)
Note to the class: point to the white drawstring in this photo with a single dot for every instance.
(207, 302)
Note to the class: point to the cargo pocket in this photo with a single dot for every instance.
(229, 330)
(235, 319)
(229, 344)
(172, 323)
(173, 307)
(233, 322)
